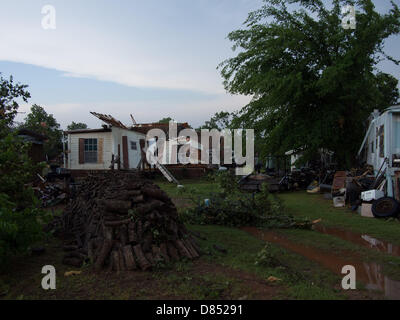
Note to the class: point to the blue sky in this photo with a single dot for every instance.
(152, 59)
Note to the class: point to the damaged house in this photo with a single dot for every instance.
(93, 149)
(96, 149)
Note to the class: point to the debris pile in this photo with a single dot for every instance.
(123, 222)
(50, 194)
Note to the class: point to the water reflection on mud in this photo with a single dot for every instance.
(369, 273)
(361, 239)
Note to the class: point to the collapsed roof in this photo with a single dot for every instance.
(109, 120)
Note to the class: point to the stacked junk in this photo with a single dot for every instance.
(361, 189)
(120, 221)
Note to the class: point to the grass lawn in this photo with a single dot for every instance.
(315, 207)
(216, 275)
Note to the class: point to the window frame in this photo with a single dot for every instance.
(90, 150)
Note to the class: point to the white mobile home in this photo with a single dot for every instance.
(382, 146)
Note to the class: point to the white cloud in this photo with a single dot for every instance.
(132, 56)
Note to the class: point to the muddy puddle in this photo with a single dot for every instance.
(361, 239)
(368, 273)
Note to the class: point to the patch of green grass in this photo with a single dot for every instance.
(198, 287)
(303, 278)
(315, 207)
(201, 188)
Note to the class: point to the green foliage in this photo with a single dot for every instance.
(231, 207)
(10, 92)
(226, 180)
(267, 257)
(20, 217)
(41, 122)
(220, 120)
(76, 126)
(313, 83)
(166, 120)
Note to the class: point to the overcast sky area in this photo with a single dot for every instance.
(152, 59)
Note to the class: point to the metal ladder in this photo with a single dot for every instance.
(168, 175)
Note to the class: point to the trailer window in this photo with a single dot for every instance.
(382, 142)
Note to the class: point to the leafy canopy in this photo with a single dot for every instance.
(166, 120)
(41, 122)
(76, 126)
(20, 215)
(220, 120)
(313, 82)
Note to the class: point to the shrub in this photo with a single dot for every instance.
(231, 207)
(20, 216)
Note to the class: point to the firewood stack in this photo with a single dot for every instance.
(122, 222)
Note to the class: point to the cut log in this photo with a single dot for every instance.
(117, 223)
(131, 233)
(119, 206)
(126, 195)
(150, 206)
(164, 252)
(140, 258)
(157, 254)
(189, 246)
(129, 259)
(195, 245)
(138, 199)
(123, 234)
(105, 250)
(115, 260)
(173, 253)
(147, 241)
(156, 194)
(122, 265)
(182, 249)
(150, 258)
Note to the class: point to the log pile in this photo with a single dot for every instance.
(122, 222)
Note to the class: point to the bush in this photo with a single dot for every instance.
(20, 216)
(231, 207)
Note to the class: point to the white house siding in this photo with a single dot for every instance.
(132, 136)
(73, 154)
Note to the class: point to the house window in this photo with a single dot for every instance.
(382, 142)
(133, 145)
(90, 150)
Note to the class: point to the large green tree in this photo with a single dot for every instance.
(220, 120)
(313, 82)
(20, 215)
(42, 122)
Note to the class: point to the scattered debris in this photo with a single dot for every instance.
(273, 279)
(72, 273)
